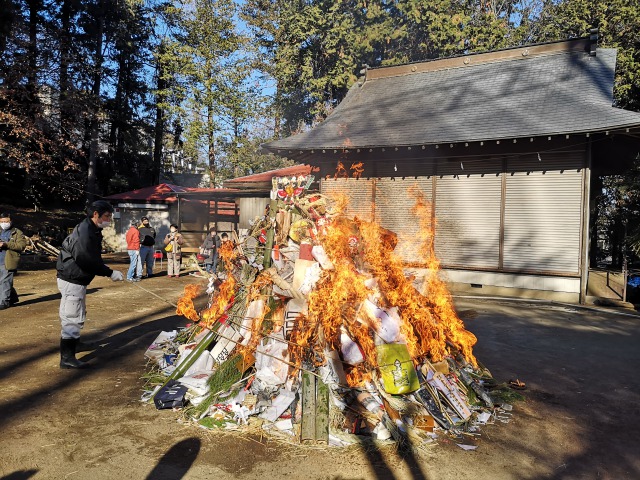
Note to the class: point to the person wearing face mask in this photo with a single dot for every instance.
(147, 242)
(12, 242)
(79, 261)
(174, 252)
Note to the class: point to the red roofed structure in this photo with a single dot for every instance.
(194, 210)
(260, 181)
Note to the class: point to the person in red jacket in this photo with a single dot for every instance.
(133, 249)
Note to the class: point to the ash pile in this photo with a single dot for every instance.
(314, 332)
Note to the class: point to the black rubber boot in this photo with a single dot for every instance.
(68, 354)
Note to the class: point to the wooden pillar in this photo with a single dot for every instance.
(584, 243)
(179, 214)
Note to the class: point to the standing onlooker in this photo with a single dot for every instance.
(12, 242)
(147, 242)
(174, 252)
(209, 249)
(80, 260)
(133, 249)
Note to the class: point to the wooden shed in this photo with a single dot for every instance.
(194, 210)
(503, 144)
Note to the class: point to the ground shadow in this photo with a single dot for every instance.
(113, 344)
(177, 461)
(46, 298)
(37, 353)
(381, 469)
(21, 475)
(407, 453)
(118, 346)
(580, 365)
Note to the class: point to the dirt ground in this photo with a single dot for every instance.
(580, 418)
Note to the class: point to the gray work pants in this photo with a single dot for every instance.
(6, 283)
(73, 308)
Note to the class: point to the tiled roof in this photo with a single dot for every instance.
(165, 192)
(558, 89)
(152, 193)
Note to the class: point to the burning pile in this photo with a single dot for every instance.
(315, 329)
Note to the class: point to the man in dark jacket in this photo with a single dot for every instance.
(80, 260)
(209, 249)
(147, 242)
(12, 242)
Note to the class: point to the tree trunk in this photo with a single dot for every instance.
(64, 84)
(211, 143)
(34, 8)
(95, 120)
(276, 109)
(32, 77)
(115, 134)
(6, 23)
(161, 85)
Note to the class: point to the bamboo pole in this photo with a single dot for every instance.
(308, 427)
(322, 412)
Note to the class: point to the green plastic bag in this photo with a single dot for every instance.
(396, 368)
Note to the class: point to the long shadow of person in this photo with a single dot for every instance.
(114, 349)
(20, 475)
(177, 461)
(405, 453)
(381, 470)
(124, 342)
(45, 298)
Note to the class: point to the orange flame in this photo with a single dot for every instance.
(255, 292)
(340, 292)
(224, 297)
(341, 172)
(441, 303)
(429, 323)
(358, 251)
(304, 346)
(185, 303)
(222, 301)
(228, 254)
(357, 169)
(278, 317)
(358, 376)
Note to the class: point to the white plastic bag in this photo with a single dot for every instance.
(351, 352)
(272, 359)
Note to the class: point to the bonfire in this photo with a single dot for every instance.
(313, 329)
